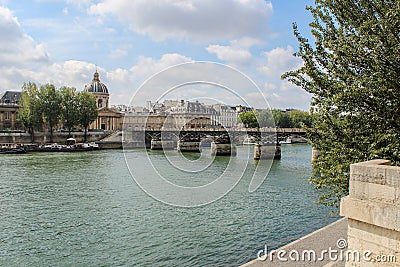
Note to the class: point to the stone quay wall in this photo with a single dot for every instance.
(44, 137)
(373, 211)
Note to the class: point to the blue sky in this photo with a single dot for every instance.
(62, 41)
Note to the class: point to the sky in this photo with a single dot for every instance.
(63, 42)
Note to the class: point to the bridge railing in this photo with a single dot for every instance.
(211, 129)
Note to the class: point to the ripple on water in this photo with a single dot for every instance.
(84, 209)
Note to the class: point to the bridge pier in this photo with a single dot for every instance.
(157, 144)
(188, 146)
(267, 151)
(223, 149)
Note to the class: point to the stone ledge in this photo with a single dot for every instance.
(374, 192)
(376, 172)
(371, 212)
(374, 162)
(384, 239)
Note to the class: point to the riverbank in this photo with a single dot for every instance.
(44, 137)
(307, 251)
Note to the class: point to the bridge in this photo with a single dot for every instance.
(223, 141)
(217, 134)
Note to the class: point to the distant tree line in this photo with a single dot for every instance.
(50, 106)
(276, 118)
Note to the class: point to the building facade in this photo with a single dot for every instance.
(9, 106)
(178, 121)
(108, 119)
(224, 115)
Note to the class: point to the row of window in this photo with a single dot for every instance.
(7, 115)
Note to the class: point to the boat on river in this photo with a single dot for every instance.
(70, 146)
(287, 141)
(295, 139)
(249, 140)
(14, 149)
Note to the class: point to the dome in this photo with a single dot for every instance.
(96, 86)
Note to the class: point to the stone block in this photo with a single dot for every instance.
(393, 176)
(372, 191)
(188, 146)
(369, 174)
(269, 151)
(384, 238)
(223, 149)
(372, 212)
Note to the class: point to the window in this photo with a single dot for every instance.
(7, 115)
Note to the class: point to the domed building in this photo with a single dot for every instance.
(99, 90)
(108, 119)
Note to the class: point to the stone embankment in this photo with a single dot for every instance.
(369, 235)
(373, 211)
(44, 137)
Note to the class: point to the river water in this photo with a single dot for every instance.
(84, 209)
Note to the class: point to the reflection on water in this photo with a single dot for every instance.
(85, 209)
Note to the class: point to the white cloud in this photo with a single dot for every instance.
(118, 53)
(281, 93)
(299, 100)
(79, 3)
(16, 47)
(147, 66)
(231, 55)
(24, 59)
(237, 53)
(269, 86)
(205, 20)
(278, 61)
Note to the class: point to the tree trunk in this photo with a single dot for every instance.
(51, 134)
(31, 131)
(85, 134)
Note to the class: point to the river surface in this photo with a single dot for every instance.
(84, 209)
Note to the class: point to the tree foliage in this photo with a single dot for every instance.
(29, 113)
(352, 69)
(281, 118)
(300, 119)
(276, 118)
(265, 118)
(49, 106)
(69, 108)
(249, 119)
(87, 109)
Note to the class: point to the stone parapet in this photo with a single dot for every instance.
(373, 212)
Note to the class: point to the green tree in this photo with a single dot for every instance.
(281, 118)
(265, 118)
(87, 109)
(49, 106)
(69, 108)
(300, 119)
(249, 119)
(352, 69)
(29, 113)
